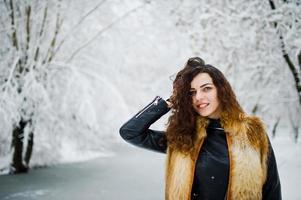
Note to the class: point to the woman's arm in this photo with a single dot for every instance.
(136, 131)
(272, 188)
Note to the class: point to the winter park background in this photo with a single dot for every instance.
(72, 72)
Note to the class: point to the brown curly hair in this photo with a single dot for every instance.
(182, 122)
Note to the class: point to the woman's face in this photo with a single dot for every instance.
(204, 96)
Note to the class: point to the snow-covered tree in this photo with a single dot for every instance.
(29, 36)
(50, 99)
(257, 44)
(44, 100)
(76, 70)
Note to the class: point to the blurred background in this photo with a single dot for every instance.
(72, 72)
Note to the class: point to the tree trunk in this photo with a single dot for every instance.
(275, 127)
(17, 145)
(291, 66)
(28, 149)
(296, 133)
(287, 58)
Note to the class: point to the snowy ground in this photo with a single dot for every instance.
(131, 173)
(288, 157)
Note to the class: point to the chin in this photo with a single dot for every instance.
(203, 115)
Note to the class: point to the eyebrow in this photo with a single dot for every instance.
(203, 85)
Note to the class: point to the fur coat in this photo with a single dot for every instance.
(248, 151)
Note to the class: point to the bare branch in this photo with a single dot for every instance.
(27, 28)
(87, 15)
(108, 27)
(275, 127)
(272, 4)
(9, 78)
(299, 60)
(14, 32)
(77, 25)
(50, 53)
(37, 51)
(28, 12)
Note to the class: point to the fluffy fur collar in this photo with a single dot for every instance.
(248, 150)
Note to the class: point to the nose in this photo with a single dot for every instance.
(199, 96)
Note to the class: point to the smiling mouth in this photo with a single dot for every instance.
(203, 105)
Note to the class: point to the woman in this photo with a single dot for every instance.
(214, 150)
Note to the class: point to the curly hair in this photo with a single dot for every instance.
(182, 122)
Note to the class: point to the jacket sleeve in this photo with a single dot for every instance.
(136, 131)
(272, 187)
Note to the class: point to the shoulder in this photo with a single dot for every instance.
(256, 132)
(246, 124)
(254, 124)
(250, 128)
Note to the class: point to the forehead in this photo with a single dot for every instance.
(201, 79)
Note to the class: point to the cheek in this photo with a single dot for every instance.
(193, 100)
(216, 101)
(214, 98)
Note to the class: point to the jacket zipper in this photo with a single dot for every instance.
(154, 102)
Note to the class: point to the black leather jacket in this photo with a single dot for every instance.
(137, 132)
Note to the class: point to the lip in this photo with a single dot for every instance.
(202, 105)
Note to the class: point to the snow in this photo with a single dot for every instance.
(127, 169)
(28, 194)
(288, 157)
(132, 51)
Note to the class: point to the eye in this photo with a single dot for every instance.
(207, 89)
(192, 93)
